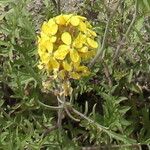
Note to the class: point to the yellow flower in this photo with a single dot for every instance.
(74, 75)
(53, 27)
(79, 40)
(45, 57)
(61, 52)
(91, 33)
(74, 21)
(60, 20)
(67, 18)
(83, 49)
(67, 66)
(47, 42)
(74, 55)
(46, 29)
(81, 17)
(50, 28)
(83, 70)
(54, 63)
(92, 43)
(88, 55)
(66, 38)
(82, 26)
(65, 43)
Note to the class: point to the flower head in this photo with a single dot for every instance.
(65, 44)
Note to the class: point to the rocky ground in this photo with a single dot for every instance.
(66, 6)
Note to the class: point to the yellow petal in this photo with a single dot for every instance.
(93, 33)
(41, 50)
(60, 20)
(55, 64)
(54, 29)
(75, 75)
(67, 66)
(61, 53)
(74, 55)
(77, 64)
(88, 55)
(49, 46)
(67, 17)
(61, 47)
(53, 39)
(62, 74)
(45, 28)
(46, 43)
(50, 28)
(74, 21)
(82, 26)
(43, 38)
(77, 44)
(66, 38)
(45, 58)
(88, 24)
(49, 66)
(51, 22)
(79, 41)
(83, 49)
(92, 43)
(81, 17)
(83, 70)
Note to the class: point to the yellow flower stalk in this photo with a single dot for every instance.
(65, 44)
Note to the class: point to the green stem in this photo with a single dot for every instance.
(104, 129)
(50, 107)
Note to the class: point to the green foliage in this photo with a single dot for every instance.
(115, 97)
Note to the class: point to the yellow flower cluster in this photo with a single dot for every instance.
(66, 42)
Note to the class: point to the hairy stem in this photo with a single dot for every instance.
(60, 112)
(49, 107)
(102, 128)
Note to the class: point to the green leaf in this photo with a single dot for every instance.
(120, 99)
(135, 88)
(124, 109)
(130, 76)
